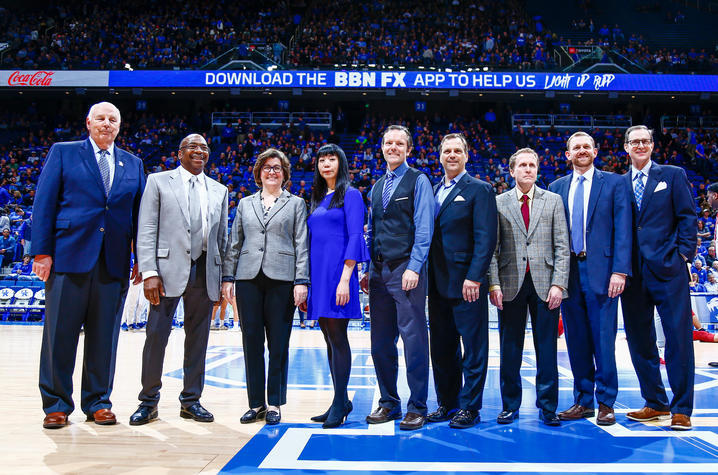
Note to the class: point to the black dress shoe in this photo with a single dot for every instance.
(441, 414)
(196, 412)
(143, 415)
(549, 418)
(253, 416)
(383, 414)
(323, 417)
(465, 418)
(273, 418)
(507, 417)
(412, 421)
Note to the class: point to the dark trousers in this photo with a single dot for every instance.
(452, 321)
(197, 310)
(92, 299)
(590, 323)
(266, 305)
(395, 313)
(672, 299)
(512, 330)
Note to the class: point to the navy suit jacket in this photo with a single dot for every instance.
(464, 237)
(665, 227)
(608, 227)
(73, 218)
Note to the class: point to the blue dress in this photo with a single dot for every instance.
(335, 235)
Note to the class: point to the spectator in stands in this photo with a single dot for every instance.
(25, 235)
(711, 285)
(702, 232)
(700, 248)
(699, 270)
(695, 283)
(710, 257)
(7, 247)
(23, 269)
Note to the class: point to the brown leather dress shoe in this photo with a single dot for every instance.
(55, 420)
(383, 414)
(575, 413)
(681, 422)
(648, 414)
(103, 417)
(606, 417)
(412, 421)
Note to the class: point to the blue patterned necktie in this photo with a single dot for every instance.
(104, 165)
(638, 189)
(577, 217)
(386, 192)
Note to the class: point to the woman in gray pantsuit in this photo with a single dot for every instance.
(267, 259)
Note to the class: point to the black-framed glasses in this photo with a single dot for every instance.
(640, 143)
(276, 169)
(193, 147)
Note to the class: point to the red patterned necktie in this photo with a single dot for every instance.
(525, 214)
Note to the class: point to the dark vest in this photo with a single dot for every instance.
(393, 228)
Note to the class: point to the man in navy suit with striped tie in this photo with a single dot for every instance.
(599, 216)
(664, 241)
(85, 219)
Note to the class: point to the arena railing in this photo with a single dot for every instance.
(570, 121)
(695, 122)
(315, 120)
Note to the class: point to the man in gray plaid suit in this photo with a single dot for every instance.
(529, 271)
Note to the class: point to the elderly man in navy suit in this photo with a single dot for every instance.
(664, 241)
(461, 249)
(599, 219)
(85, 218)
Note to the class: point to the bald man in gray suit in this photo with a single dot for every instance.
(180, 248)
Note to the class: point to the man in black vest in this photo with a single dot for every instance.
(400, 229)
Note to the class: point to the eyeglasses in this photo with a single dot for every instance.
(193, 147)
(640, 143)
(277, 169)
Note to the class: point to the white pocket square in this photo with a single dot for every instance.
(660, 186)
(404, 198)
(459, 198)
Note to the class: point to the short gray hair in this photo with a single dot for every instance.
(512, 159)
(637, 127)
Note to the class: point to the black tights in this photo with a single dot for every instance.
(339, 354)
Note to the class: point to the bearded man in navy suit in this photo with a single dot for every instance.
(598, 214)
(664, 242)
(85, 219)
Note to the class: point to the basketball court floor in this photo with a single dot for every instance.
(175, 445)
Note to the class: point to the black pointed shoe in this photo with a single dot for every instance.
(143, 415)
(253, 416)
(196, 412)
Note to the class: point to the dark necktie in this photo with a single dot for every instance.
(104, 164)
(386, 192)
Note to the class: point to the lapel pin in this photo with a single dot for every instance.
(121, 164)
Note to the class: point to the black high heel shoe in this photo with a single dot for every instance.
(337, 418)
(323, 417)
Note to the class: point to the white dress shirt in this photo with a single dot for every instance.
(588, 181)
(110, 158)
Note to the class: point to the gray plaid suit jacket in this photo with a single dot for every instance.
(277, 247)
(545, 245)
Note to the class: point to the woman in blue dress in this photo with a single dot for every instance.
(336, 240)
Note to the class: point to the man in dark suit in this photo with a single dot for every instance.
(664, 241)
(463, 243)
(599, 220)
(401, 224)
(180, 248)
(85, 218)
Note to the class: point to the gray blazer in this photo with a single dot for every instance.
(545, 245)
(163, 239)
(278, 246)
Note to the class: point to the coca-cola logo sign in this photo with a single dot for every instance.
(38, 78)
